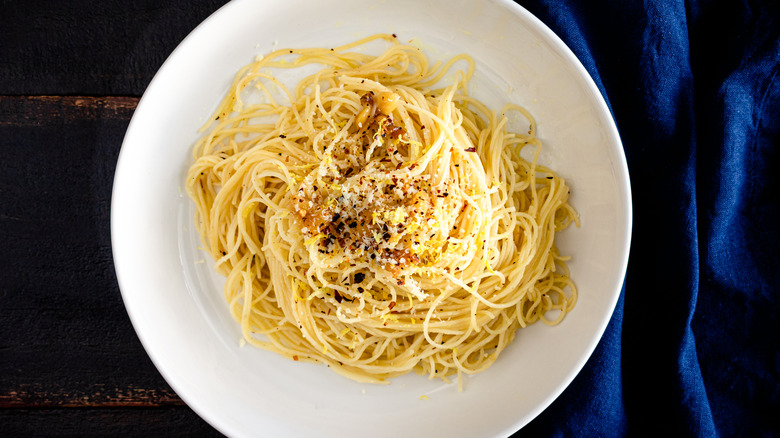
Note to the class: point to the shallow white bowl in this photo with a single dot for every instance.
(175, 300)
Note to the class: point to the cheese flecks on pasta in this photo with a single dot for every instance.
(375, 220)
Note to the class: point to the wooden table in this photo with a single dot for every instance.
(71, 74)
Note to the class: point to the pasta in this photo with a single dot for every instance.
(375, 220)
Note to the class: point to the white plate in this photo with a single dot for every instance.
(175, 301)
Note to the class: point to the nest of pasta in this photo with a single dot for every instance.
(375, 220)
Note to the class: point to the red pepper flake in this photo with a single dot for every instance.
(295, 357)
(391, 305)
(471, 149)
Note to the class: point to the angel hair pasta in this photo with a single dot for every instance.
(376, 221)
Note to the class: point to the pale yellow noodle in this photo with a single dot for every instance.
(438, 286)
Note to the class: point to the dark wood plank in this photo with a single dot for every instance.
(67, 340)
(108, 47)
(96, 395)
(25, 111)
(124, 422)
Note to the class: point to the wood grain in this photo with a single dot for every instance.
(95, 395)
(79, 47)
(67, 340)
(23, 111)
(70, 362)
(91, 422)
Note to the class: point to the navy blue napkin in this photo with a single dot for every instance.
(693, 347)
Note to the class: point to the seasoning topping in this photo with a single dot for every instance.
(363, 203)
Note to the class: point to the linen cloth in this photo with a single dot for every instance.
(692, 348)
